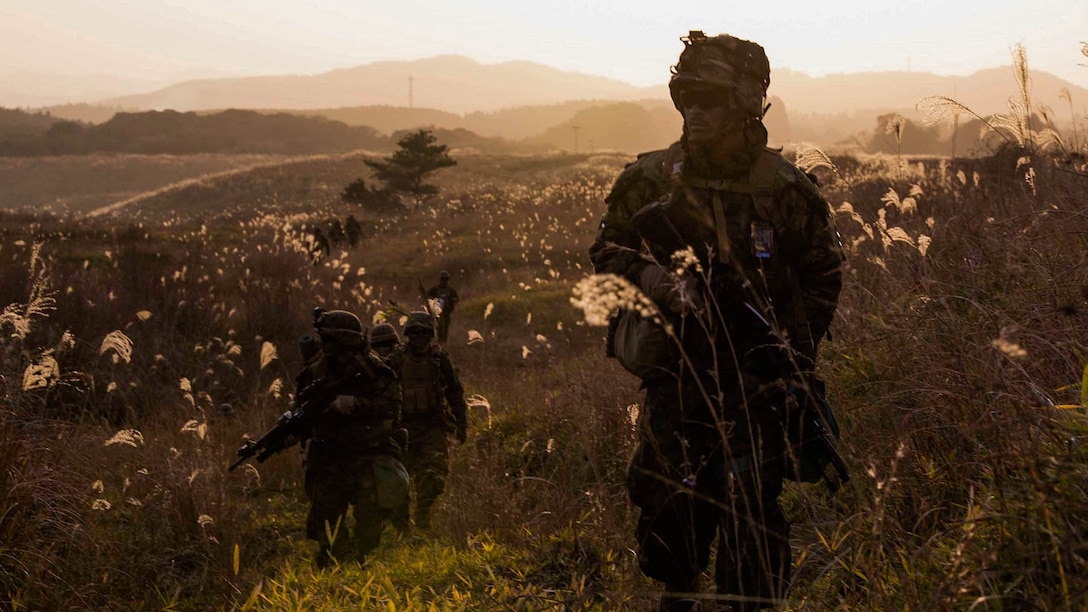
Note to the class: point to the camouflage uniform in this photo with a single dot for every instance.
(712, 452)
(383, 340)
(434, 408)
(447, 300)
(352, 457)
(353, 230)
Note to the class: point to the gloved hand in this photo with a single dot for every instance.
(671, 293)
(344, 404)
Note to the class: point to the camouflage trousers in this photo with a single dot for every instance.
(443, 327)
(333, 482)
(695, 481)
(427, 461)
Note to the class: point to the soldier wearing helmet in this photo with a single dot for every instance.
(446, 298)
(748, 311)
(352, 456)
(384, 339)
(434, 409)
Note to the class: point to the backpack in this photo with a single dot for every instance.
(640, 345)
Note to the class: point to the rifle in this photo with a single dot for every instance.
(426, 300)
(815, 434)
(294, 425)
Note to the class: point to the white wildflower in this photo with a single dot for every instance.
(131, 437)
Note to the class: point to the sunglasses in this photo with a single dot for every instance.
(707, 98)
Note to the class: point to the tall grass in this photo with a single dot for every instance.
(957, 369)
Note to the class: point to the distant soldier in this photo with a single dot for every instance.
(353, 230)
(352, 456)
(434, 408)
(336, 233)
(319, 245)
(447, 302)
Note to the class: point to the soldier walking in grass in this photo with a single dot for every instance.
(446, 296)
(352, 456)
(337, 237)
(384, 340)
(747, 304)
(353, 231)
(319, 244)
(434, 410)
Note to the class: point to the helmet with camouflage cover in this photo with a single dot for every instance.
(340, 327)
(383, 332)
(738, 68)
(419, 320)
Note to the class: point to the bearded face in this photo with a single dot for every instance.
(711, 115)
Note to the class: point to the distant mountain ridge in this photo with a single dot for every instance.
(985, 91)
(527, 104)
(449, 82)
(457, 84)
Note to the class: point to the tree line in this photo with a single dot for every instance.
(230, 131)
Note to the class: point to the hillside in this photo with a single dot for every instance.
(986, 91)
(516, 101)
(459, 85)
(834, 110)
(514, 123)
(171, 132)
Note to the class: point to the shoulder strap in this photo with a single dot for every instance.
(672, 163)
(761, 181)
(760, 185)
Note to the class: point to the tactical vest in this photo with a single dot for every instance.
(761, 232)
(421, 384)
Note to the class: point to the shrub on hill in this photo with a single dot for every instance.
(402, 173)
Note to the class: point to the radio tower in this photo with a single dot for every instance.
(410, 102)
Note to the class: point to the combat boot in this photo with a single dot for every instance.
(423, 520)
(681, 597)
(323, 559)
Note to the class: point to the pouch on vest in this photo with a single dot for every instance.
(390, 482)
(641, 346)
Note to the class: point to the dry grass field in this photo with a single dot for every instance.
(957, 368)
(78, 184)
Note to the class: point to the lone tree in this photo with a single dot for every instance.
(403, 172)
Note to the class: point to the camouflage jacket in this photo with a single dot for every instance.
(778, 234)
(377, 409)
(446, 296)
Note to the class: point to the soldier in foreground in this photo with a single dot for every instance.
(434, 408)
(347, 411)
(726, 396)
(446, 296)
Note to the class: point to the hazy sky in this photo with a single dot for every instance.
(630, 40)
